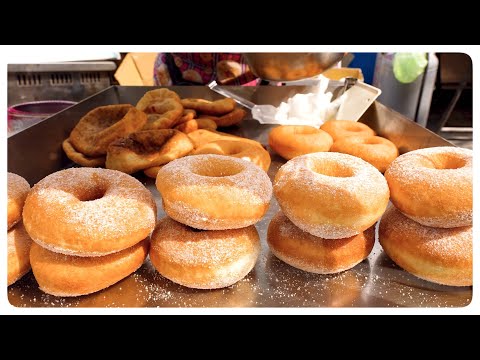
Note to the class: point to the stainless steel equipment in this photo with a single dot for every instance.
(290, 66)
(376, 282)
(72, 81)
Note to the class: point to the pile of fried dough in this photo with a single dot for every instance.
(160, 128)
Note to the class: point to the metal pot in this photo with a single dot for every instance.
(290, 66)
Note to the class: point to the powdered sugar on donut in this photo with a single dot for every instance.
(203, 259)
(88, 211)
(443, 256)
(358, 185)
(433, 186)
(214, 192)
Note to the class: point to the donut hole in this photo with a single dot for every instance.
(215, 168)
(92, 194)
(333, 169)
(448, 161)
(444, 162)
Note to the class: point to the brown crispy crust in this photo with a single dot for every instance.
(147, 148)
(104, 124)
(79, 158)
(157, 95)
(232, 118)
(163, 115)
(216, 108)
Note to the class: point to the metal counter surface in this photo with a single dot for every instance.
(376, 282)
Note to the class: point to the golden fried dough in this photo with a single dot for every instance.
(147, 148)
(79, 158)
(203, 136)
(216, 108)
(153, 171)
(155, 96)
(104, 124)
(163, 115)
(232, 118)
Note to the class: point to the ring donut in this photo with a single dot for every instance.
(331, 195)
(238, 149)
(310, 253)
(203, 259)
(64, 275)
(433, 186)
(19, 244)
(17, 188)
(214, 192)
(339, 129)
(443, 256)
(376, 150)
(89, 212)
(294, 140)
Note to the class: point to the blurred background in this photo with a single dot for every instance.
(439, 98)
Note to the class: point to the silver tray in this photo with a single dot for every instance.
(376, 282)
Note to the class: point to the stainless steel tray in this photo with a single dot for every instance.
(376, 282)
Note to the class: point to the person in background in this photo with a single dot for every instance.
(201, 69)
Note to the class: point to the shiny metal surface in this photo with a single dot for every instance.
(376, 282)
(290, 66)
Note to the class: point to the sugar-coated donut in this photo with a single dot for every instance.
(433, 186)
(214, 192)
(89, 212)
(239, 149)
(443, 256)
(64, 275)
(17, 191)
(331, 195)
(339, 129)
(19, 244)
(293, 140)
(376, 150)
(314, 254)
(203, 259)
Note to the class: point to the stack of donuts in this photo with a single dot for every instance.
(208, 240)
(329, 203)
(90, 229)
(428, 231)
(19, 242)
(343, 136)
